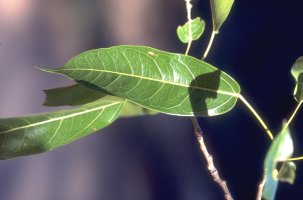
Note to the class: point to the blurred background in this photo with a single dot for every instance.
(151, 157)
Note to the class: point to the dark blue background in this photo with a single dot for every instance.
(257, 46)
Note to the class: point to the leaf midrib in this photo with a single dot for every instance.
(234, 94)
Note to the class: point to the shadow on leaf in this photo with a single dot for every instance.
(201, 99)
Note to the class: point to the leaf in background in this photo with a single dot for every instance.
(280, 150)
(166, 82)
(220, 10)
(75, 95)
(198, 27)
(38, 133)
(132, 110)
(297, 72)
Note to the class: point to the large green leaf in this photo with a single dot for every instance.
(75, 95)
(166, 82)
(197, 27)
(297, 72)
(220, 10)
(38, 133)
(280, 150)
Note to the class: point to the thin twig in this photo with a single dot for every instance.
(287, 124)
(190, 38)
(295, 158)
(260, 188)
(211, 166)
(254, 112)
(293, 115)
(210, 43)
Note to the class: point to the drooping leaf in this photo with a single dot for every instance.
(75, 95)
(287, 172)
(38, 133)
(166, 82)
(280, 150)
(297, 72)
(197, 27)
(220, 10)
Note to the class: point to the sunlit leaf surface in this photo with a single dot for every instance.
(166, 82)
(38, 133)
(197, 26)
(220, 10)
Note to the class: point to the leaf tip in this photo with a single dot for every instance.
(44, 69)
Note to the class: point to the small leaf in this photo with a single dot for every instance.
(75, 95)
(280, 150)
(220, 10)
(297, 72)
(38, 133)
(197, 26)
(287, 172)
(165, 82)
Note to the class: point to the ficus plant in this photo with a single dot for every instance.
(126, 81)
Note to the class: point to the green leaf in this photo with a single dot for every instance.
(287, 172)
(132, 110)
(38, 133)
(280, 150)
(165, 82)
(75, 95)
(220, 10)
(197, 27)
(297, 72)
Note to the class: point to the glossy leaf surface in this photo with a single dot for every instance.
(75, 95)
(38, 133)
(220, 10)
(297, 72)
(280, 150)
(197, 26)
(166, 82)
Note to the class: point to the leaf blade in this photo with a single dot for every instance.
(280, 150)
(75, 95)
(198, 26)
(297, 73)
(220, 10)
(287, 172)
(38, 133)
(166, 82)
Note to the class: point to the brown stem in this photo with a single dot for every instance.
(260, 188)
(211, 167)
